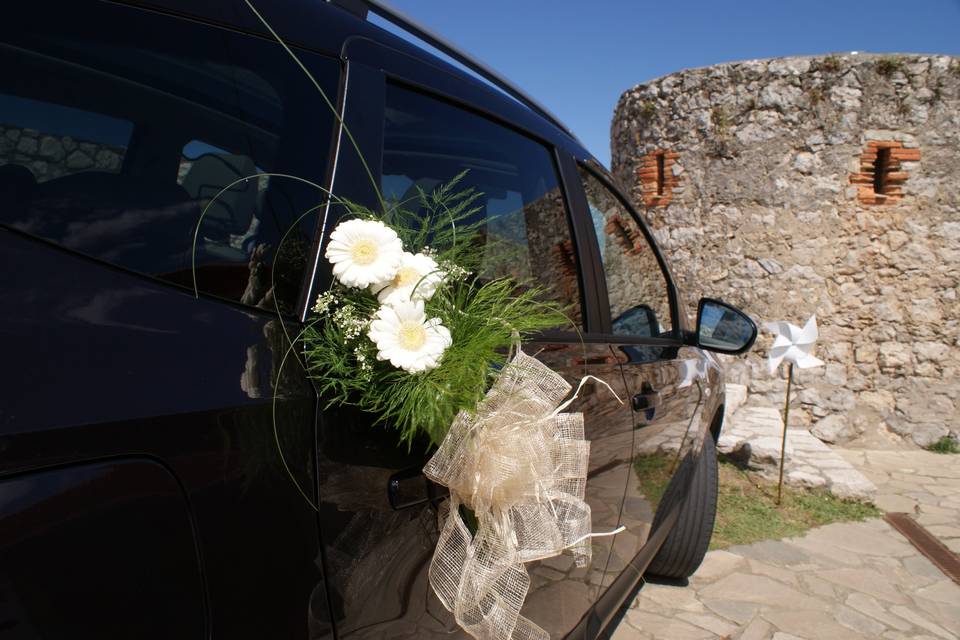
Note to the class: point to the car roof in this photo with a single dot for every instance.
(322, 27)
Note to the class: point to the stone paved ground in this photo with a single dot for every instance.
(845, 580)
(918, 482)
(752, 435)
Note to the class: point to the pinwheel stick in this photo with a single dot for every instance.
(783, 443)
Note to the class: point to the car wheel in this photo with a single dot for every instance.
(686, 544)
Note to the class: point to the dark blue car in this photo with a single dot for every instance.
(142, 493)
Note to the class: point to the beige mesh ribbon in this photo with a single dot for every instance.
(520, 465)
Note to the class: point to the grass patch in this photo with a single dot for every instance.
(648, 110)
(720, 120)
(746, 504)
(888, 66)
(946, 444)
(830, 64)
(747, 511)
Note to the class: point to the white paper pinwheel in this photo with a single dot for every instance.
(793, 344)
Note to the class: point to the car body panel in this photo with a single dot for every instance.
(112, 364)
(80, 543)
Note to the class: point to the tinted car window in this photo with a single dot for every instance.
(636, 286)
(525, 229)
(139, 122)
(52, 140)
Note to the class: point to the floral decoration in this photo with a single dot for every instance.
(364, 253)
(406, 338)
(408, 330)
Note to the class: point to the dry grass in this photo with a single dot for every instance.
(746, 504)
(747, 511)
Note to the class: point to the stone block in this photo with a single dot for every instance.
(833, 428)
(735, 396)
(78, 160)
(806, 480)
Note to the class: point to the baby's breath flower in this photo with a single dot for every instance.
(350, 322)
(324, 300)
(453, 271)
(362, 361)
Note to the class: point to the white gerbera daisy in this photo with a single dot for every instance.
(406, 338)
(364, 252)
(417, 279)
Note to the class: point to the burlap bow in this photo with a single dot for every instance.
(520, 465)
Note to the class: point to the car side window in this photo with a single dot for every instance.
(523, 217)
(636, 285)
(141, 120)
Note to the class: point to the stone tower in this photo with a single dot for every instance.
(827, 185)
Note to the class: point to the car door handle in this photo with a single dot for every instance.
(407, 488)
(410, 488)
(646, 401)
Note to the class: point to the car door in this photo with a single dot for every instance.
(378, 514)
(666, 380)
(140, 429)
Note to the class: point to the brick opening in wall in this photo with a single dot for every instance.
(657, 179)
(660, 173)
(881, 176)
(881, 167)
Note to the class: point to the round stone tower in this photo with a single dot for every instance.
(827, 185)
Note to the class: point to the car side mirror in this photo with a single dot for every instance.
(724, 328)
(637, 321)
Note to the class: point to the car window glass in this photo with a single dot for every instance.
(139, 124)
(525, 230)
(206, 171)
(52, 140)
(636, 286)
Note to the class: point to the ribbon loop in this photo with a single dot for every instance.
(520, 464)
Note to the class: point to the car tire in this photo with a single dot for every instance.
(686, 544)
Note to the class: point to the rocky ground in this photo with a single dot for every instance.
(849, 580)
(753, 434)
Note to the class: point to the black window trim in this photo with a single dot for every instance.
(315, 261)
(675, 337)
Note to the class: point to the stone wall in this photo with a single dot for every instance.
(827, 185)
(52, 156)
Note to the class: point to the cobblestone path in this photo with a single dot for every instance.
(845, 580)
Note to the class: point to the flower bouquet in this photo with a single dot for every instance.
(412, 332)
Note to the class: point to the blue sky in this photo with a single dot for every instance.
(577, 58)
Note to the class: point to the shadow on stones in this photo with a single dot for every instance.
(739, 457)
(665, 582)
